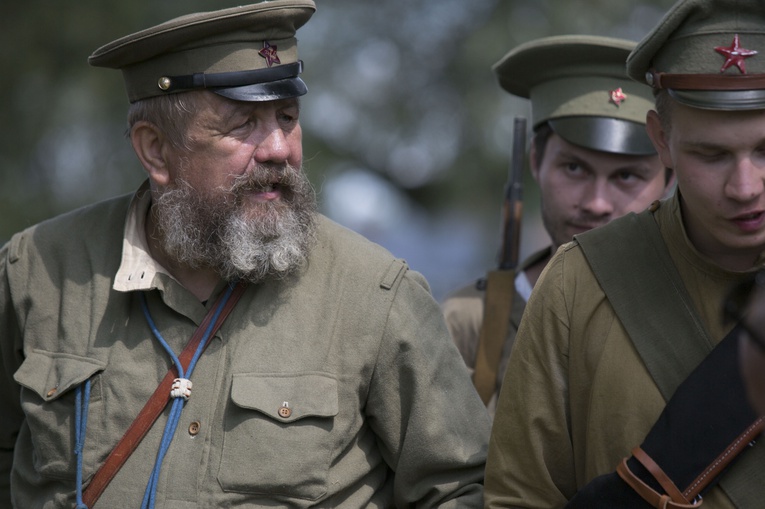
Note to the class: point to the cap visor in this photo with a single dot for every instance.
(605, 134)
(271, 91)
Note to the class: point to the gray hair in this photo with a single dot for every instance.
(172, 114)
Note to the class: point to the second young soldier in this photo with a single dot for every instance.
(624, 388)
(590, 156)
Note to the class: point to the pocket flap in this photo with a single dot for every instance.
(303, 395)
(51, 375)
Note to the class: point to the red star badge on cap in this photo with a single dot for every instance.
(617, 96)
(269, 53)
(735, 55)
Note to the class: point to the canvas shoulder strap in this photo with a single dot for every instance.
(633, 267)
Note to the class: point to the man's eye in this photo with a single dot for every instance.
(627, 176)
(710, 156)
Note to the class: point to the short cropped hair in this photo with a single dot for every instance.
(172, 114)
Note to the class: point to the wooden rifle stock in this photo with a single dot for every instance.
(500, 283)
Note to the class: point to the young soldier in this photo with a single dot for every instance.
(590, 156)
(622, 361)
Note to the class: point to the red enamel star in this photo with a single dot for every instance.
(269, 53)
(617, 96)
(735, 55)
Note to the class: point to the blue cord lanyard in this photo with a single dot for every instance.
(81, 405)
(80, 425)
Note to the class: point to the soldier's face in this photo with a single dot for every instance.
(581, 188)
(237, 200)
(231, 140)
(719, 161)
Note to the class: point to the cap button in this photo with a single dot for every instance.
(164, 83)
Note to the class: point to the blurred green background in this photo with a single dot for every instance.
(407, 134)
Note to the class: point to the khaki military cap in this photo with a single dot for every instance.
(578, 84)
(246, 53)
(707, 54)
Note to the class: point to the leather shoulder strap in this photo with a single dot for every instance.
(159, 400)
(634, 269)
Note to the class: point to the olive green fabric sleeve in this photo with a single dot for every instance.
(542, 473)
(418, 383)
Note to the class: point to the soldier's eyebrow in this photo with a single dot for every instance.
(702, 145)
(572, 157)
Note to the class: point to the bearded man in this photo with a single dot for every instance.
(323, 373)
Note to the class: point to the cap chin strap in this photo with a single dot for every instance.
(229, 79)
(712, 91)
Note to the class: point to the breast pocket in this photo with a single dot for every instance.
(48, 381)
(278, 435)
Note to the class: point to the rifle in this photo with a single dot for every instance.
(500, 283)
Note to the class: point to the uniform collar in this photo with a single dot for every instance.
(138, 270)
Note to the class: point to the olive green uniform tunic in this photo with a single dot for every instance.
(463, 311)
(382, 409)
(577, 397)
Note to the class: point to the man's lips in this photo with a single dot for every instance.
(267, 193)
(749, 221)
(583, 227)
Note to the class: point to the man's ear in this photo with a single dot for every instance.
(533, 166)
(659, 138)
(151, 146)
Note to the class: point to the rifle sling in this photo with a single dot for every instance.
(701, 387)
(498, 306)
(157, 402)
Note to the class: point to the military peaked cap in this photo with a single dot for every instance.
(707, 54)
(246, 53)
(578, 84)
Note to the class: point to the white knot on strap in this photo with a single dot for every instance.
(181, 388)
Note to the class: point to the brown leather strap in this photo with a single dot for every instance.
(661, 477)
(674, 498)
(657, 500)
(156, 404)
(498, 306)
(724, 459)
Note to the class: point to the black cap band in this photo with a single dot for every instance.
(229, 79)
